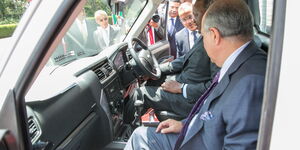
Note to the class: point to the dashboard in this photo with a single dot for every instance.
(119, 60)
(94, 91)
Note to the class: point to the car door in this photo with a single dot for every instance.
(12, 134)
(20, 70)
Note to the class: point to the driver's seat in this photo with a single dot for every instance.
(164, 115)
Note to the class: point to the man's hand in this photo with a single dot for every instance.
(171, 86)
(169, 126)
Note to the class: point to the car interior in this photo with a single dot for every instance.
(77, 100)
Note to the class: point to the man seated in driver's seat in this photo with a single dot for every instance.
(184, 80)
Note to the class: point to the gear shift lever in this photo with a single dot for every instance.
(139, 105)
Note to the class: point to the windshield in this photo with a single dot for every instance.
(96, 27)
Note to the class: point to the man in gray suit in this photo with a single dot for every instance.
(185, 80)
(186, 37)
(227, 117)
(106, 34)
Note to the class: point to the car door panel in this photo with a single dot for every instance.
(76, 113)
(160, 50)
(9, 120)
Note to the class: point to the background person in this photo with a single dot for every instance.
(78, 41)
(186, 38)
(105, 35)
(173, 25)
(153, 31)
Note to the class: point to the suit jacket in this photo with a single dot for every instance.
(229, 119)
(99, 39)
(157, 33)
(182, 42)
(76, 42)
(74, 45)
(172, 38)
(194, 69)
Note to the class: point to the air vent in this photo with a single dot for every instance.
(103, 70)
(34, 129)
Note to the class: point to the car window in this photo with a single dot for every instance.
(266, 12)
(96, 27)
(87, 37)
(10, 14)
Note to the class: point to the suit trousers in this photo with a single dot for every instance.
(155, 97)
(147, 139)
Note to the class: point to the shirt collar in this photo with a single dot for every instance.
(191, 32)
(228, 62)
(173, 19)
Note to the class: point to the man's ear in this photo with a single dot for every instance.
(216, 35)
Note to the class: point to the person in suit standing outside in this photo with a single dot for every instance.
(106, 34)
(80, 36)
(186, 38)
(173, 25)
(228, 115)
(78, 41)
(153, 32)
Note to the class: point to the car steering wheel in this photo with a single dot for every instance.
(144, 58)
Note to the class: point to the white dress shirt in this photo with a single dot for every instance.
(170, 22)
(105, 34)
(83, 28)
(191, 38)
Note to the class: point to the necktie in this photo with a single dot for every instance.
(151, 37)
(172, 26)
(195, 110)
(195, 36)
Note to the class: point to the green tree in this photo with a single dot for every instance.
(11, 10)
(94, 5)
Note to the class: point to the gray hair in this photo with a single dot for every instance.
(100, 12)
(231, 18)
(185, 7)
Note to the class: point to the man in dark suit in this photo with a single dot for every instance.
(228, 115)
(185, 80)
(173, 25)
(78, 41)
(185, 38)
(80, 36)
(153, 31)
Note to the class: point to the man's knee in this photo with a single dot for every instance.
(139, 134)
